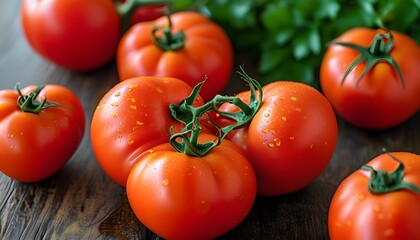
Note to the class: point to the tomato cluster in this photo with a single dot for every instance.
(193, 158)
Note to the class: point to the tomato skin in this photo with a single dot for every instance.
(75, 34)
(379, 101)
(132, 117)
(357, 214)
(207, 53)
(183, 197)
(35, 146)
(148, 13)
(291, 139)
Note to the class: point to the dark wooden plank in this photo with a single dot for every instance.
(81, 202)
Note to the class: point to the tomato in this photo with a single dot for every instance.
(388, 93)
(290, 140)
(148, 13)
(359, 210)
(178, 196)
(132, 117)
(193, 48)
(37, 140)
(76, 34)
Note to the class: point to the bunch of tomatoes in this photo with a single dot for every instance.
(192, 161)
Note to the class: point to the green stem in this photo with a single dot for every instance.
(378, 51)
(381, 181)
(30, 103)
(190, 116)
(169, 41)
(126, 9)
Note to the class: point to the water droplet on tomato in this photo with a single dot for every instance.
(165, 182)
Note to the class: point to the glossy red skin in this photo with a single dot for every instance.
(357, 214)
(75, 34)
(379, 101)
(183, 197)
(148, 13)
(132, 117)
(291, 139)
(207, 53)
(35, 146)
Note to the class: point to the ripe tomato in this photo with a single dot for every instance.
(192, 48)
(148, 13)
(132, 117)
(76, 34)
(290, 140)
(381, 98)
(358, 213)
(34, 145)
(178, 196)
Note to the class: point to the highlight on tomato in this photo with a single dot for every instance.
(371, 77)
(41, 127)
(184, 45)
(198, 185)
(291, 139)
(379, 201)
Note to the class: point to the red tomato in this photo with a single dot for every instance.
(381, 98)
(184, 197)
(35, 145)
(357, 213)
(148, 13)
(290, 140)
(76, 34)
(203, 52)
(131, 118)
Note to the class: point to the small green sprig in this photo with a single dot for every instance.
(190, 116)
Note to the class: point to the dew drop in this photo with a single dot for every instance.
(165, 182)
(133, 107)
(115, 115)
(114, 104)
(117, 94)
(294, 99)
(283, 118)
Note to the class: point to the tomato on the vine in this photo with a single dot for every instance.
(185, 45)
(132, 117)
(76, 34)
(379, 201)
(371, 77)
(291, 139)
(198, 185)
(41, 128)
(178, 196)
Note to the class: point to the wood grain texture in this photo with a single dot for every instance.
(81, 202)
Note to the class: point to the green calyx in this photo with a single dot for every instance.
(126, 9)
(381, 181)
(378, 51)
(29, 103)
(168, 41)
(190, 116)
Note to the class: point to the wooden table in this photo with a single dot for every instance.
(81, 202)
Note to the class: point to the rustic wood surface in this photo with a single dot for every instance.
(81, 202)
